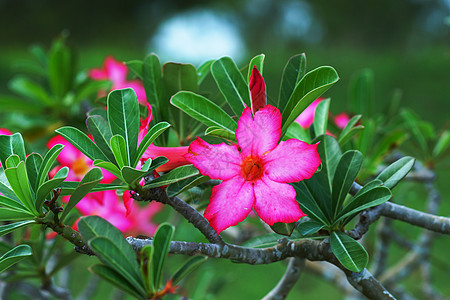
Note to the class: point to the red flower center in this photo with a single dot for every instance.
(252, 168)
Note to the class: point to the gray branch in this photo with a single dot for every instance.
(289, 279)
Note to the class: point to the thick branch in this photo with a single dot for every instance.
(289, 279)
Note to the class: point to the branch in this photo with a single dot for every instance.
(289, 279)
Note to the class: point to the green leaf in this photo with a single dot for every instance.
(149, 138)
(296, 131)
(283, 228)
(14, 256)
(60, 68)
(68, 187)
(161, 244)
(152, 77)
(8, 214)
(349, 252)
(8, 228)
(5, 188)
(108, 166)
(344, 176)
(18, 179)
(82, 142)
(175, 175)
(372, 197)
(11, 144)
(12, 161)
(352, 122)
(86, 184)
(309, 227)
(101, 133)
(30, 89)
(115, 278)
(364, 141)
(362, 93)
(257, 61)
(131, 175)
(157, 162)
(12, 203)
(47, 163)
(119, 149)
(345, 138)
(48, 186)
(186, 184)
(123, 118)
(293, 72)
(188, 267)
(203, 70)
(442, 143)
(308, 204)
(203, 110)
(412, 123)
(232, 84)
(145, 260)
(219, 132)
(33, 164)
(321, 117)
(109, 252)
(136, 67)
(89, 89)
(393, 174)
(310, 87)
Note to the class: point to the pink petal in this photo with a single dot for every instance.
(176, 156)
(275, 202)
(292, 161)
(255, 137)
(341, 120)
(220, 161)
(306, 118)
(257, 88)
(4, 131)
(116, 70)
(127, 202)
(138, 88)
(231, 202)
(98, 74)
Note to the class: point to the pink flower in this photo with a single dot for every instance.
(78, 163)
(174, 154)
(341, 120)
(117, 72)
(255, 172)
(306, 118)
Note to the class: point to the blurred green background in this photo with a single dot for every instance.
(406, 44)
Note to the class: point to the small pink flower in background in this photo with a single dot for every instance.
(78, 163)
(117, 72)
(341, 120)
(306, 118)
(255, 172)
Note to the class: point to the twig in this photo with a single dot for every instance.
(289, 279)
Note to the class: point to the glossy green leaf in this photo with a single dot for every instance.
(136, 67)
(68, 187)
(395, 172)
(203, 110)
(109, 252)
(116, 279)
(145, 261)
(47, 187)
(101, 133)
(308, 204)
(296, 131)
(232, 84)
(158, 162)
(47, 163)
(360, 202)
(123, 118)
(188, 267)
(119, 149)
(149, 138)
(152, 77)
(349, 252)
(13, 256)
(203, 70)
(5, 188)
(30, 89)
(98, 112)
(18, 180)
(131, 175)
(108, 166)
(82, 142)
(33, 163)
(161, 245)
(12, 161)
(222, 133)
(8, 214)
(8, 228)
(12, 203)
(344, 176)
(283, 228)
(91, 179)
(362, 92)
(351, 123)
(442, 143)
(11, 144)
(175, 175)
(60, 68)
(186, 184)
(321, 117)
(344, 139)
(257, 61)
(310, 87)
(293, 72)
(309, 227)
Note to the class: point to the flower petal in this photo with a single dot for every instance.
(68, 154)
(306, 118)
(257, 88)
(291, 161)
(220, 161)
(174, 154)
(255, 137)
(116, 70)
(275, 202)
(231, 202)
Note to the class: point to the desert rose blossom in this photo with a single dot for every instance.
(116, 72)
(255, 172)
(341, 120)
